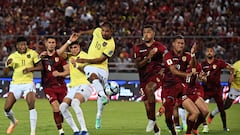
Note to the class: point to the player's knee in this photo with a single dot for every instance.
(75, 102)
(92, 77)
(63, 106)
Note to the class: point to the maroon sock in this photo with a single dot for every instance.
(58, 119)
(190, 125)
(176, 120)
(152, 111)
(199, 121)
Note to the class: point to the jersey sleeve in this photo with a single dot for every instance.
(35, 57)
(109, 50)
(167, 59)
(222, 63)
(12, 63)
(97, 32)
(135, 52)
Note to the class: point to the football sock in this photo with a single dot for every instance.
(199, 121)
(76, 107)
(58, 119)
(33, 120)
(68, 116)
(100, 107)
(182, 114)
(190, 125)
(98, 86)
(215, 111)
(10, 116)
(152, 114)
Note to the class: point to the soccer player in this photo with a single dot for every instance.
(176, 62)
(55, 69)
(24, 61)
(212, 88)
(148, 57)
(100, 50)
(233, 93)
(193, 87)
(79, 91)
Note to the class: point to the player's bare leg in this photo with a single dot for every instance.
(10, 101)
(193, 114)
(204, 112)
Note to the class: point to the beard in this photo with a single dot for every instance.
(210, 57)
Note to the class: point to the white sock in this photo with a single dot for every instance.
(215, 111)
(33, 120)
(60, 131)
(100, 108)
(76, 107)
(10, 116)
(182, 114)
(68, 116)
(99, 87)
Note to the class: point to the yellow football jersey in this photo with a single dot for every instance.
(76, 76)
(20, 62)
(99, 47)
(236, 83)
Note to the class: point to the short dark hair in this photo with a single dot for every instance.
(107, 24)
(74, 43)
(20, 39)
(149, 26)
(52, 37)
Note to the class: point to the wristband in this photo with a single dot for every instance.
(69, 42)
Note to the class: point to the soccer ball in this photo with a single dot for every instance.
(111, 88)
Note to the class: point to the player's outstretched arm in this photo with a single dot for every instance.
(92, 61)
(65, 72)
(64, 47)
(87, 32)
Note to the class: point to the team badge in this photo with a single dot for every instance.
(56, 59)
(184, 58)
(104, 44)
(214, 66)
(28, 56)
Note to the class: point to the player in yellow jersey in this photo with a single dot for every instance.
(79, 88)
(24, 61)
(100, 50)
(233, 93)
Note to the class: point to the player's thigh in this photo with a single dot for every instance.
(101, 73)
(203, 107)
(85, 90)
(190, 106)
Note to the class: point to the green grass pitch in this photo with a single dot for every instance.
(119, 118)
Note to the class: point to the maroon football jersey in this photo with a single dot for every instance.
(154, 65)
(192, 81)
(50, 64)
(213, 72)
(180, 62)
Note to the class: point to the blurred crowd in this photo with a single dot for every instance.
(204, 21)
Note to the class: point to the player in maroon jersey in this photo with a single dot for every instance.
(148, 56)
(212, 88)
(194, 92)
(55, 68)
(176, 62)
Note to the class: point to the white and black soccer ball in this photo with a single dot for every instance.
(111, 88)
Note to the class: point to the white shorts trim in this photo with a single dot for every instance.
(20, 90)
(84, 89)
(233, 93)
